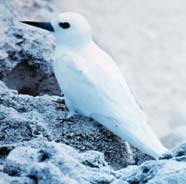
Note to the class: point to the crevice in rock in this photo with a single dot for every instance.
(145, 169)
(90, 164)
(27, 79)
(43, 156)
(134, 182)
(33, 178)
(14, 172)
(4, 151)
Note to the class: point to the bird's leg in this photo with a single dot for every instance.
(70, 110)
(128, 149)
(69, 114)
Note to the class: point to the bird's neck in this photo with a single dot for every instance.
(80, 49)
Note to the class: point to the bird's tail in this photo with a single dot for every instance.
(142, 137)
(154, 149)
(146, 141)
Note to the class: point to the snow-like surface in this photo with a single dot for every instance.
(147, 39)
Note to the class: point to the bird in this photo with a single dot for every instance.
(93, 84)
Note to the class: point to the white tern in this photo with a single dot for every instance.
(93, 85)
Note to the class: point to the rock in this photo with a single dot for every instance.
(161, 172)
(50, 162)
(42, 161)
(6, 179)
(38, 144)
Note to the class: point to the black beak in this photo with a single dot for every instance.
(43, 25)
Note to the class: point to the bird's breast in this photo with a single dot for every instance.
(75, 84)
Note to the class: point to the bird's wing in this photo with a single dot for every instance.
(130, 118)
(110, 102)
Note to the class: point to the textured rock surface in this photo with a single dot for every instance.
(41, 161)
(34, 130)
(50, 162)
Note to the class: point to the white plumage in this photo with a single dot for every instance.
(93, 86)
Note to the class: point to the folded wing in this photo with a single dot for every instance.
(103, 94)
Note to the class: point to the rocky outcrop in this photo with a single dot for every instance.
(38, 143)
(43, 161)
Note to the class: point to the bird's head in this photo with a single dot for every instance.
(70, 29)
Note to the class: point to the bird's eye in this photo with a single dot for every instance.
(64, 25)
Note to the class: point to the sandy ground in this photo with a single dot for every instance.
(147, 39)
